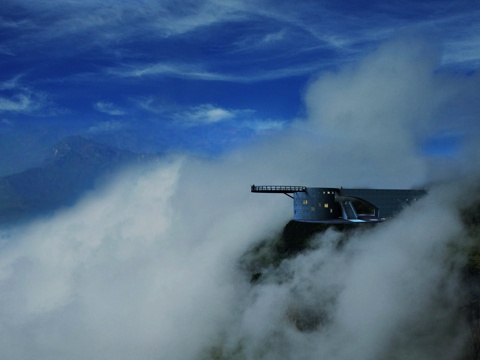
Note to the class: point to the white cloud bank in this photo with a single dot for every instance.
(117, 276)
(148, 267)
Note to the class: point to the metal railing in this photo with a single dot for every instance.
(278, 189)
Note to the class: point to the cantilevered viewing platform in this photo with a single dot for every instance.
(339, 205)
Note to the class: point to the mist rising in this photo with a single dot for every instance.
(152, 264)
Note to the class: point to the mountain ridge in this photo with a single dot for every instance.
(74, 166)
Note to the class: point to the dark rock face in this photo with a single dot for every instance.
(471, 281)
(262, 262)
(74, 167)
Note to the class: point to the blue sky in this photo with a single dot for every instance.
(198, 76)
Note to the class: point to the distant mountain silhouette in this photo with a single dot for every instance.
(75, 164)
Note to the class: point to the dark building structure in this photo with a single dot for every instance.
(339, 205)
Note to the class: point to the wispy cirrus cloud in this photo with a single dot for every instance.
(207, 114)
(210, 114)
(200, 72)
(13, 83)
(287, 31)
(6, 51)
(465, 51)
(260, 126)
(18, 98)
(199, 115)
(107, 23)
(177, 70)
(24, 102)
(109, 108)
(108, 26)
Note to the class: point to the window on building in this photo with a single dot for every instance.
(312, 208)
(305, 202)
(325, 206)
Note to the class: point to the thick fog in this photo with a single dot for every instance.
(152, 264)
